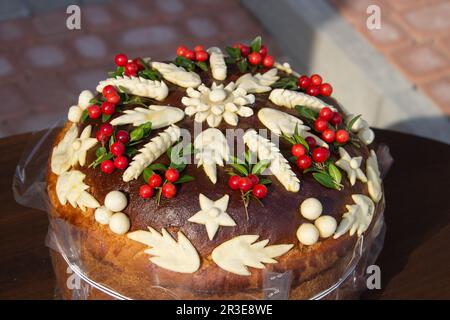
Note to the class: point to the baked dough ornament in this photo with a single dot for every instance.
(177, 75)
(358, 216)
(71, 188)
(72, 150)
(138, 86)
(217, 63)
(237, 254)
(373, 177)
(279, 166)
(151, 151)
(213, 214)
(75, 112)
(217, 103)
(361, 128)
(280, 122)
(351, 166)
(159, 116)
(178, 256)
(258, 83)
(289, 99)
(211, 150)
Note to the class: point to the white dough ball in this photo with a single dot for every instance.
(119, 223)
(366, 135)
(307, 234)
(326, 225)
(311, 208)
(103, 215)
(84, 98)
(74, 114)
(116, 201)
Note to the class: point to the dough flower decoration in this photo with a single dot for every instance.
(213, 214)
(351, 166)
(258, 83)
(71, 188)
(167, 253)
(72, 149)
(236, 254)
(217, 103)
(358, 216)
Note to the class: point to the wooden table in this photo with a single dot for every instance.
(415, 261)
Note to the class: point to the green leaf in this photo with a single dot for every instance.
(325, 180)
(306, 112)
(187, 64)
(118, 72)
(242, 65)
(84, 115)
(100, 159)
(111, 141)
(105, 117)
(299, 139)
(293, 160)
(352, 122)
(140, 132)
(130, 151)
(185, 178)
(291, 140)
(202, 65)
(147, 174)
(240, 168)
(265, 181)
(233, 53)
(236, 160)
(150, 74)
(260, 167)
(157, 167)
(179, 166)
(100, 152)
(335, 173)
(95, 101)
(248, 157)
(255, 45)
(289, 82)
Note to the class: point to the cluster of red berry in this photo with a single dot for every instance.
(117, 148)
(198, 54)
(168, 189)
(131, 68)
(256, 58)
(303, 155)
(244, 184)
(313, 85)
(108, 107)
(327, 122)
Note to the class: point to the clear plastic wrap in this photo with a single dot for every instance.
(76, 280)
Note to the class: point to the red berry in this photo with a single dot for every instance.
(313, 90)
(320, 124)
(316, 80)
(155, 180)
(107, 166)
(117, 148)
(189, 54)
(341, 136)
(113, 98)
(121, 162)
(245, 184)
(259, 191)
(106, 129)
(122, 136)
(94, 111)
(245, 50)
(304, 82)
(326, 114)
(101, 137)
(120, 60)
(311, 142)
(254, 58)
(320, 154)
(131, 69)
(139, 63)
(298, 150)
(181, 50)
(107, 90)
(328, 135)
(172, 175)
(233, 182)
(199, 48)
(201, 55)
(169, 190)
(145, 191)
(325, 89)
(263, 51)
(336, 119)
(304, 162)
(268, 61)
(253, 178)
(108, 108)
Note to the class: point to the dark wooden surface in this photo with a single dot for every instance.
(415, 261)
